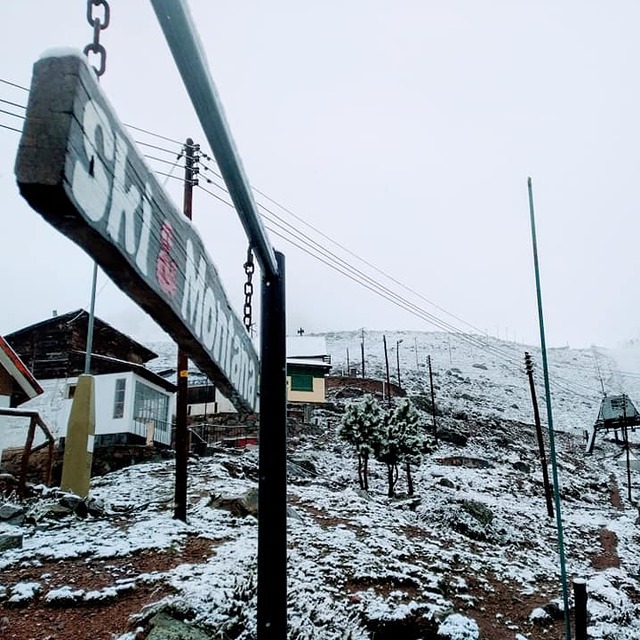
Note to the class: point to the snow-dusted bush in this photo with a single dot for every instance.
(459, 627)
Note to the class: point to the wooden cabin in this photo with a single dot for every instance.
(133, 404)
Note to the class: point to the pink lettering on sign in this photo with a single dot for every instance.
(166, 268)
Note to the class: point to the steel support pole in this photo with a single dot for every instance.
(188, 53)
(272, 483)
(552, 439)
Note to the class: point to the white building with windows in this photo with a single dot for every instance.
(132, 404)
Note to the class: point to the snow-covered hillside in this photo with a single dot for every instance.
(471, 556)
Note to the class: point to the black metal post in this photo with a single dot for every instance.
(580, 595)
(272, 484)
(182, 432)
(362, 352)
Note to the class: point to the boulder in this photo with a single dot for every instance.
(164, 627)
(245, 505)
(11, 513)
(10, 538)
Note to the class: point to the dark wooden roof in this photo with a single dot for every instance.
(46, 347)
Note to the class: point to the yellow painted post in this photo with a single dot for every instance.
(78, 448)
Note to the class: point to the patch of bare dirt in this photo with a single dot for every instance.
(39, 620)
(501, 610)
(614, 493)
(608, 557)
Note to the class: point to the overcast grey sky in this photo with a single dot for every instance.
(404, 130)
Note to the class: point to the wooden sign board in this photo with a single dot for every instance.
(77, 167)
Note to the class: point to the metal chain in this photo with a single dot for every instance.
(249, 268)
(98, 26)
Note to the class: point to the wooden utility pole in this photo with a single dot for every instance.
(386, 363)
(433, 403)
(626, 443)
(536, 416)
(398, 342)
(182, 432)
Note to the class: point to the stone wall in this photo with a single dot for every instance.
(368, 385)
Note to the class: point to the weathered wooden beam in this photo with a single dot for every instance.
(80, 170)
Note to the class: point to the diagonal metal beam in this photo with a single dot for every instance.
(182, 37)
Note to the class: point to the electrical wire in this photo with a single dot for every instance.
(305, 243)
(13, 84)
(4, 126)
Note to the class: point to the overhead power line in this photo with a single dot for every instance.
(304, 242)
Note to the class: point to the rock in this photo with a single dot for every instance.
(51, 511)
(70, 501)
(554, 610)
(245, 505)
(453, 437)
(10, 538)
(95, 508)
(164, 627)
(445, 482)
(480, 366)
(305, 463)
(11, 512)
(292, 514)
(522, 466)
(478, 510)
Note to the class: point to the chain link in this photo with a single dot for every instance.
(249, 268)
(98, 26)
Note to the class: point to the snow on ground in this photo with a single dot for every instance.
(363, 565)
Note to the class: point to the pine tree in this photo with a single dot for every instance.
(400, 441)
(412, 440)
(359, 427)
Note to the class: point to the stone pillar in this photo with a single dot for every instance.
(78, 448)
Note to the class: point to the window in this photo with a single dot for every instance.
(301, 382)
(71, 391)
(118, 400)
(151, 405)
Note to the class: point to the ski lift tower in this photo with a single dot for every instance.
(616, 412)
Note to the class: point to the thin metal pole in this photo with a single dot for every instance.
(91, 322)
(182, 431)
(548, 493)
(398, 360)
(362, 351)
(552, 442)
(272, 464)
(188, 53)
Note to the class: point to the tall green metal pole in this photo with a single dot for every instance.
(552, 443)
